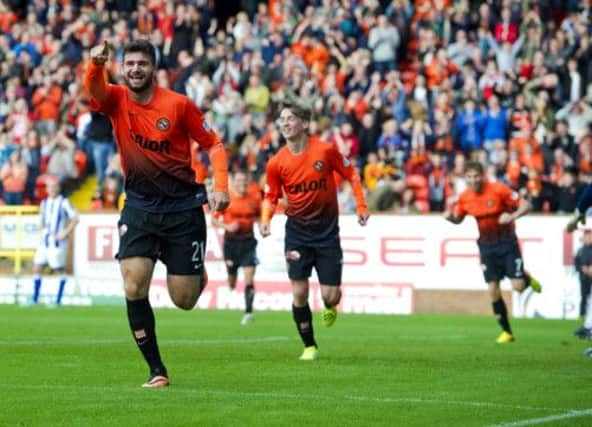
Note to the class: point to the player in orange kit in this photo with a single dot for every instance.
(495, 207)
(303, 170)
(240, 245)
(163, 216)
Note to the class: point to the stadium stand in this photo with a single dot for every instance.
(405, 86)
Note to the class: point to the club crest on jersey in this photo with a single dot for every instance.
(319, 165)
(489, 203)
(163, 124)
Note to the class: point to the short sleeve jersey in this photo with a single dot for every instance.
(487, 206)
(154, 141)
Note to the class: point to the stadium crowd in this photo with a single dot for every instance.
(408, 90)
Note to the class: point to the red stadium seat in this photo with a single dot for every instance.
(81, 159)
(40, 190)
(423, 206)
(416, 181)
(422, 193)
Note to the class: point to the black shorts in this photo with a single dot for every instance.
(327, 261)
(178, 239)
(240, 253)
(501, 260)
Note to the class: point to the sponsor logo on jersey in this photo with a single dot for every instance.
(163, 146)
(305, 187)
(163, 124)
(319, 165)
(489, 203)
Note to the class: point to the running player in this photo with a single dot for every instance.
(495, 207)
(163, 216)
(303, 170)
(58, 220)
(240, 245)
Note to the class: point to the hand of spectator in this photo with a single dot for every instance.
(100, 54)
(219, 200)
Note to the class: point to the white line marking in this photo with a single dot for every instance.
(290, 396)
(86, 341)
(533, 421)
(450, 402)
(431, 337)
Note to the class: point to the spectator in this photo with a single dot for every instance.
(384, 41)
(99, 134)
(14, 178)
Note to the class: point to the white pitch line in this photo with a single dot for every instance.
(86, 341)
(451, 402)
(551, 418)
(431, 337)
(293, 396)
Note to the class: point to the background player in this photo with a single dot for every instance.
(584, 204)
(495, 207)
(303, 170)
(240, 245)
(163, 215)
(58, 220)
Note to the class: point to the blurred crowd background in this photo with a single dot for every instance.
(408, 90)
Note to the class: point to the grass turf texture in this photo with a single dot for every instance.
(79, 366)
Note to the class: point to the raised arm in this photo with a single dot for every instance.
(94, 74)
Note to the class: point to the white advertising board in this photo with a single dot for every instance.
(383, 264)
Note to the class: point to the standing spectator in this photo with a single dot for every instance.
(469, 127)
(99, 134)
(384, 41)
(495, 123)
(14, 178)
(59, 152)
(46, 101)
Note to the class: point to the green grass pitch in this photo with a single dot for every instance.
(80, 367)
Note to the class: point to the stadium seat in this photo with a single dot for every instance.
(423, 206)
(421, 193)
(80, 159)
(416, 181)
(40, 190)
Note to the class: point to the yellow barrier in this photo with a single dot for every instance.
(17, 254)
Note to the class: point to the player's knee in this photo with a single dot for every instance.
(134, 290)
(186, 303)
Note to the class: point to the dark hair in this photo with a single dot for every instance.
(142, 46)
(298, 109)
(475, 166)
